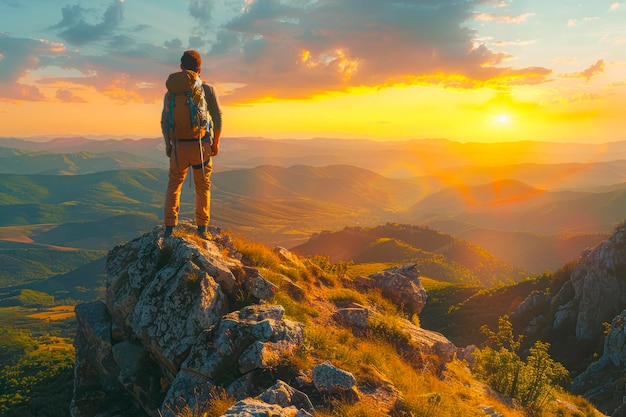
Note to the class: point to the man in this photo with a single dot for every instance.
(192, 147)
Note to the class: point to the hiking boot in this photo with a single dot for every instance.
(168, 231)
(202, 232)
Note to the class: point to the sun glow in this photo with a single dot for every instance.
(502, 119)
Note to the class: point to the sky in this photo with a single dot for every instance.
(463, 70)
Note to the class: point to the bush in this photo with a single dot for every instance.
(532, 381)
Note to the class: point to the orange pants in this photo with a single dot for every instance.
(189, 157)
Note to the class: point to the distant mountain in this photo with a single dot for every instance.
(337, 184)
(150, 149)
(83, 283)
(550, 166)
(37, 199)
(499, 195)
(31, 263)
(533, 251)
(529, 210)
(97, 234)
(439, 256)
(14, 161)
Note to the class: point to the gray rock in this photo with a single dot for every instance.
(286, 255)
(286, 396)
(330, 379)
(353, 317)
(403, 286)
(250, 407)
(258, 286)
(93, 343)
(139, 374)
(535, 301)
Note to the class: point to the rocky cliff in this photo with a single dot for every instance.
(596, 290)
(184, 318)
(593, 293)
(573, 319)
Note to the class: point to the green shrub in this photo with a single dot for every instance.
(532, 381)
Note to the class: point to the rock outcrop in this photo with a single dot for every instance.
(596, 291)
(594, 294)
(168, 331)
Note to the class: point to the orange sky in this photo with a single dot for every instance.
(496, 71)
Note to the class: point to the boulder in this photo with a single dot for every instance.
(402, 285)
(332, 380)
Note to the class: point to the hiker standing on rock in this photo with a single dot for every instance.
(191, 123)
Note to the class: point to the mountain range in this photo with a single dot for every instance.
(286, 205)
(537, 213)
(540, 164)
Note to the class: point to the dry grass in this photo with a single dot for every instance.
(341, 296)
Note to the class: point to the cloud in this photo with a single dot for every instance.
(273, 49)
(18, 56)
(574, 22)
(614, 6)
(298, 49)
(67, 96)
(202, 12)
(200, 9)
(595, 69)
(489, 17)
(132, 75)
(76, 30)
(515, 43)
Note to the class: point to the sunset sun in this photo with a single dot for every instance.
(502, 119)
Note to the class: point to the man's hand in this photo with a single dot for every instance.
(215, 146)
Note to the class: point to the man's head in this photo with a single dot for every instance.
(191, 60)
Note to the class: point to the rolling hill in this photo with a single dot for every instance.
(540, 252)
(15, 161)
(439, 256)
(285, 206)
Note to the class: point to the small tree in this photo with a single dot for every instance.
(502, 368)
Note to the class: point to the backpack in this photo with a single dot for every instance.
(187, 116)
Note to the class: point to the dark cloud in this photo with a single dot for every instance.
(76, 30)
(67, 96)
(201, 10)
(196, 42)
(173, 44)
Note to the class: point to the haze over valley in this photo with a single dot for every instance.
(87, 194)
